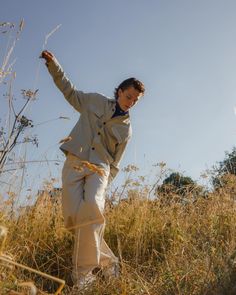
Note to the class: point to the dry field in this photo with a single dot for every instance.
(164, 248)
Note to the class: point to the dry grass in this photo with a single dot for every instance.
(163, 249)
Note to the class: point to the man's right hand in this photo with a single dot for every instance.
(47, 55)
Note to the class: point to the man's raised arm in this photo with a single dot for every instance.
(78, 99)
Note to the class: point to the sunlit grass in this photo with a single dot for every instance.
(171, 248)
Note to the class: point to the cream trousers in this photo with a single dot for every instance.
(83, 201)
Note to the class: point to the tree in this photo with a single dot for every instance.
(225, 170)
(178, 188)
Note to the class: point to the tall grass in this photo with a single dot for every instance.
(164, 249)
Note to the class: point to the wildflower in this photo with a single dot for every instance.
(29, 94)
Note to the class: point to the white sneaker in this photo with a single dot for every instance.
(111, 271)
(84, 282)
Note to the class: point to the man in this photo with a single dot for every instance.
(99, 137)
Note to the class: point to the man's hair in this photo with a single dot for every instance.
(138, 85)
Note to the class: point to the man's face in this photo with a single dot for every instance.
(128, 98)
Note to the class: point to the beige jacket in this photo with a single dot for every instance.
(96, 137)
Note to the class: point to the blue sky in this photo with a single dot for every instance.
(184, 51)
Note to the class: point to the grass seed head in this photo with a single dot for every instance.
(66, 139)
(93, 168)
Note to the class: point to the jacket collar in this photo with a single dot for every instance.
(125, 118)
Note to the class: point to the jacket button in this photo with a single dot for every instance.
(93, 148)
(104, 123)
(99, 133)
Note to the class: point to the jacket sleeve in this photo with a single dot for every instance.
(114, 167)
(78, 99)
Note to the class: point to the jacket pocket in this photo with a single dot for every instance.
(121, 133)
(98, 112)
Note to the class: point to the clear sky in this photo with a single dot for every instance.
(183, 50)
